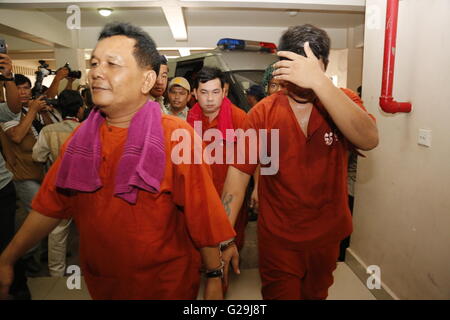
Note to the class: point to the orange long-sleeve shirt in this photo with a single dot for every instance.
(219, 170)
(305, 203)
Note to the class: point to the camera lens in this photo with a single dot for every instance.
(75, 74)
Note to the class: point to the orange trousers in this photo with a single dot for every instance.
(288, 274)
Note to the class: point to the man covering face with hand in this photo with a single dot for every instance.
(303, 209)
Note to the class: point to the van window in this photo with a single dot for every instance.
(248, 78)
(235, 92)
(241, 81)
(188, 69)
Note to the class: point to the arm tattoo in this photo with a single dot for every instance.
(226, 201)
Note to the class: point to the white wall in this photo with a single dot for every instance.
(402, 205)
(355, 37)
(354, 68)
(346, 64)
(338, 66)
(15, 43)
(36, 25)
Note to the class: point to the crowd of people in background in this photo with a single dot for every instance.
(30, 142)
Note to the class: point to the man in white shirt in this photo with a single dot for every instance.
(46, 150)
(21, 135)
(9, 111)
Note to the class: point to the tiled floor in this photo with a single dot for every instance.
(347, 286)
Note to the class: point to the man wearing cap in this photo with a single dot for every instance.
(179, 95)
(269, 83)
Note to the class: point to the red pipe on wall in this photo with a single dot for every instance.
(387, 102)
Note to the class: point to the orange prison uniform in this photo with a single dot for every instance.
(219, 171)
(146, 250)
(303, 209)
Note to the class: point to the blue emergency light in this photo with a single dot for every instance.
(231, 44)
(237, 44)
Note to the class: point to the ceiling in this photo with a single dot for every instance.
(204, 17)
(31, 26)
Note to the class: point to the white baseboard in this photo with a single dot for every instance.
(358, 266)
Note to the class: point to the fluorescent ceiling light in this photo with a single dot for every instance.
(184, 52)
(175, 19)
(178, 48)
(106, 12)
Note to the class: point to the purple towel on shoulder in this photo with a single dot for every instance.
(141, 166)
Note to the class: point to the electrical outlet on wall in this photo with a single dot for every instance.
(424, 137)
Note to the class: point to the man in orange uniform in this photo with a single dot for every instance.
(144, 221)
(303, 209)
(215, 111)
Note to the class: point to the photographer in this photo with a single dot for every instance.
(12, 95)
(8, 111)
(62, 73)
(52, 137)
(46, 150)
(43, 116)
(21, 134)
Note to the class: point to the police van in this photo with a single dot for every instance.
(242, 61)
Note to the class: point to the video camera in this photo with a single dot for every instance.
(44, 71)
(76, 74)
(41, 73)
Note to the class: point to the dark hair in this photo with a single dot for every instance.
(145, 48)
(359, 90)
(20, 79)
(87, 95)
(69, 102)
(207, 74)
(163, 60)
(256, 91)
(294, 38)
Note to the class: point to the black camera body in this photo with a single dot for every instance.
(76, 74)
(51, 102)
(41, 73)
(44, 71)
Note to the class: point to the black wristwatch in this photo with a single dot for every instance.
(215, 274)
